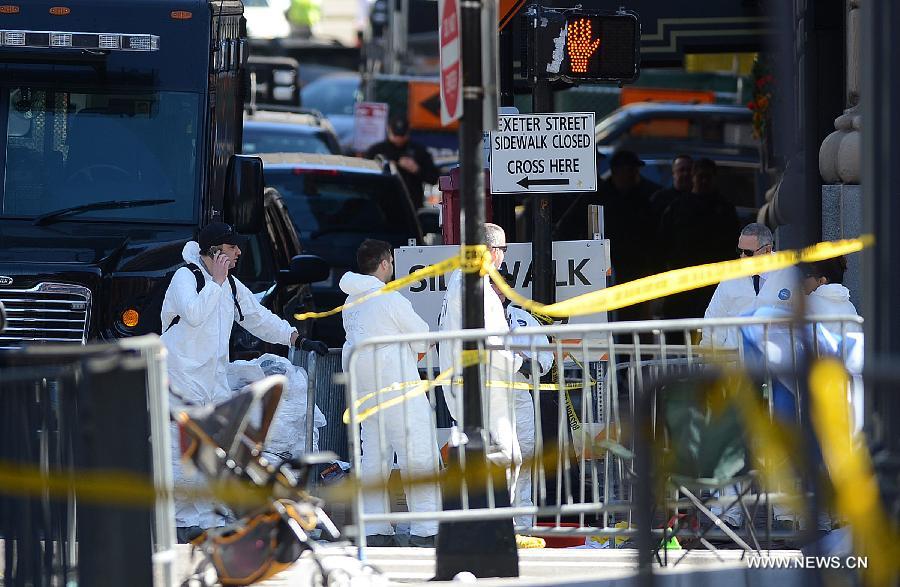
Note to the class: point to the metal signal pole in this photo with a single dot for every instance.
(485, 548)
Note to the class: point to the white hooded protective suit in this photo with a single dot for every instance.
(408, 427)
(832, 299)
(520, 318)
(497, 402)
(775, 348)
(198, 354)
(736, 297)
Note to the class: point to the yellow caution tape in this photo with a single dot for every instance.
(678, 280)
(855, 486)
(469, 261)
(123, 488)
(477, 258)
(530, 542)
(417, 388)
(469, 357)
(420, 387)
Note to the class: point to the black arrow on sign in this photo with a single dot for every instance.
(525, 182)
(433, 105)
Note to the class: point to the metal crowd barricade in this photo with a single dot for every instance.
(326, 391)
(601, 369)
(67, 410)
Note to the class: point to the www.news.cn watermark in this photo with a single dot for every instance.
(808, 562)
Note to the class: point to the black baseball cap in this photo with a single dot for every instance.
(399, 126)
(625, 159)
(219, 233)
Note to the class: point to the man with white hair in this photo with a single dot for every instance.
(497, 402)
(741, 296)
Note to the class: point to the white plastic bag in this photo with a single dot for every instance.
(287, 435)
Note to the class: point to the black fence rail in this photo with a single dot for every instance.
(67, 412)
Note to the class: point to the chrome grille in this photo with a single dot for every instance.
(45, 314)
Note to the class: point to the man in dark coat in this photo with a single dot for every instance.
(682, 183)
(697, 228)
(628, 224)
(413, 160)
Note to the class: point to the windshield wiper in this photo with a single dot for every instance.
(109, 205)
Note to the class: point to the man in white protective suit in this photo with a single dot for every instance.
(740, 297)
(408, 427)
(497, 401)
(200, 306)
(534, 364)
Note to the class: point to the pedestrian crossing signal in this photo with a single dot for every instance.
(580, 43)
(601, 47)
(584, 46)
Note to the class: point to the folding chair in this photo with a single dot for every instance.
(700, 442)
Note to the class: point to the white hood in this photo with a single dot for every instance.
(833, 292)
(191, 253)
(355, 283)
(832, 299)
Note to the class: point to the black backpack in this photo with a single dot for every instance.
(201, 281)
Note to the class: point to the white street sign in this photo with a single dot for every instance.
(369, 125)
(581, 267)
(544, 153)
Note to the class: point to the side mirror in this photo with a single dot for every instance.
(429, 220)
(244, 202)
(304, 269)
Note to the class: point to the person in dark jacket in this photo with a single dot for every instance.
(625, 198)
(697, 228)
(682, 183)
(413, 160)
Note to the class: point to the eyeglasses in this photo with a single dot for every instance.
(503, 248)
(748, 252)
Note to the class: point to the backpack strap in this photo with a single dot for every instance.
(201, 281)
(198, 275)
(235, 296)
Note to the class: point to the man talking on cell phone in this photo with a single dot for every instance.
(200, 306)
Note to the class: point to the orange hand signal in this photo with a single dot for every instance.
(579, 44)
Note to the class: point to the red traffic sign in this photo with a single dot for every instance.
(451, 62)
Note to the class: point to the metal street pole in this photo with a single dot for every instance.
(484, 548)
(503, 206)
(542, 208)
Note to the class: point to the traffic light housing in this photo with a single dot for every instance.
(583, 46)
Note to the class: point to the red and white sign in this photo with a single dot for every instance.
(451, 62)
(369, 125)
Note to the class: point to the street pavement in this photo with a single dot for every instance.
(549, 566)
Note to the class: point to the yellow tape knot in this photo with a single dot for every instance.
(472, 258)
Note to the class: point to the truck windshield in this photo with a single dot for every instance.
(75, 148)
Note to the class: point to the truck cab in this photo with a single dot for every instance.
(119, 128)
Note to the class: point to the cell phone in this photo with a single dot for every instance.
(213, 250)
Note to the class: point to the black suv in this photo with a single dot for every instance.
(336, 203)
(271, 266)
